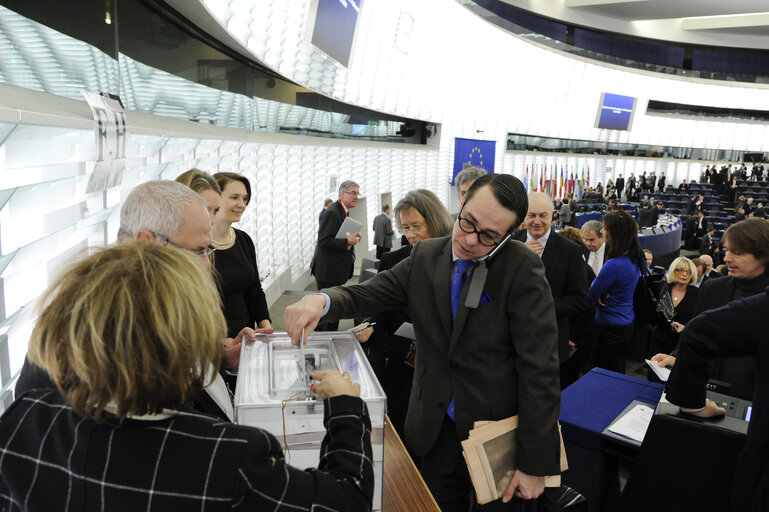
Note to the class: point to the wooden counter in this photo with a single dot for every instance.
(403, 489)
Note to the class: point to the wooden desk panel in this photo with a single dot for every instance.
(403, 489)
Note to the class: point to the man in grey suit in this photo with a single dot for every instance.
(383, 232)
(486, 338)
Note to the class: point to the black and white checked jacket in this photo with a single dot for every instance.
(51, 459)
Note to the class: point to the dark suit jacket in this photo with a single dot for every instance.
(565, 273)
(708, 245)
(59, 460)
(646, 218)
(33, 377)
(332, 262)
(704, 229)
(620, 185)
(497, 360)
(738, 329)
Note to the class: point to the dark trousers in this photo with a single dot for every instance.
(445, 473)
(380, 251)
(611, 346)
(326, 325)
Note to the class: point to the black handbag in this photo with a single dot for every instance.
(652, 302)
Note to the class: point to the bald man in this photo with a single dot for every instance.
(564, 269)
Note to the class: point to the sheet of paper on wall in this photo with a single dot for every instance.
(406, 330)
(661, 372)
(110, 142)
(634, 423)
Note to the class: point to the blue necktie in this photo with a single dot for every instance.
(456, 292)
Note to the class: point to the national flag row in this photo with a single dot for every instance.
(556, 182)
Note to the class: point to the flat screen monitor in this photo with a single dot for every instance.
(615, 112)
(331, 27)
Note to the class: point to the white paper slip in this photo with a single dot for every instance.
(662, 372)
(406, 330)
(634, 423)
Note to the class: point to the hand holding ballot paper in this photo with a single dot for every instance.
(491, 454)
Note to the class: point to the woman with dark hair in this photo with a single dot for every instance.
(235, 263)
(420, 215)
(613, 288)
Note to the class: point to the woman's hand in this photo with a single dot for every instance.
(664, 360)
(363, 331)
(332, 383)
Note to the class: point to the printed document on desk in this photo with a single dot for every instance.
(348, 227)
(633, 423)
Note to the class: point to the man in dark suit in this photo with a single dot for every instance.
(702, 223)
(332, 264)
(383, 232)
(708, 246)
(620, 185)
(564, 270)
(486, 339)
(691, 231)
(661, 183)
(646, 217)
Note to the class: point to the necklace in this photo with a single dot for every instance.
(232, 233)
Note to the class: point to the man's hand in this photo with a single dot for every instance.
(524, 486)
(535, 246)
(664, 360)
(353, 239)
(710, 410)
(231, 349)
(305, 314)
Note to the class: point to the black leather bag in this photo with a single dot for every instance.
(652, 302)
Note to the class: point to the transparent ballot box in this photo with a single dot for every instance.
(272, 393)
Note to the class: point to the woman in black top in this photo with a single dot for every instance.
(235, 262)
(681, 277)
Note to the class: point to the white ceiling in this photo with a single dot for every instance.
(736, 23)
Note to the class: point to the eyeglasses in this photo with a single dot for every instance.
(413, 229)
(468, 227)
(684, 270)
(196, 252)
(351, 192)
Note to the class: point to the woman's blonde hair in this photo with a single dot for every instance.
(198, 181)
(136, 326)
(682, 261)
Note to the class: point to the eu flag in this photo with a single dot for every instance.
(479, 153)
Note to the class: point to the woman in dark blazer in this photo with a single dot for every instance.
(681, 277)
(127, 335)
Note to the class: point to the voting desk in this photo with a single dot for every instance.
(588, 407)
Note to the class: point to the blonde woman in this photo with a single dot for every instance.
(681, 277)
(127, 336)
